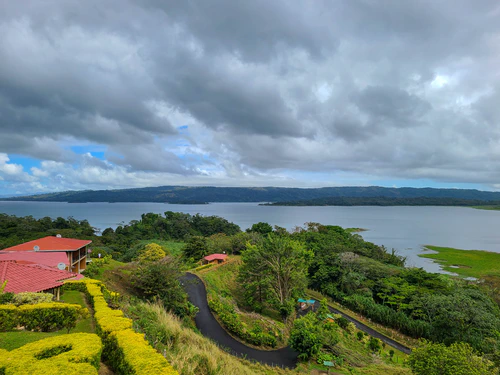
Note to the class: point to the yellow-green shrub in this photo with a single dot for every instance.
(8, 317)
(31, 298)
(131, 354)
(41, 317)
(125, 350)
(77, 353)
(50, 316)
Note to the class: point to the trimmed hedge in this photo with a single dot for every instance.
(130, 353)
(205, 266)
(233, 324)
(41, 317)
(77, 353)
(126, 351)
(8, 317)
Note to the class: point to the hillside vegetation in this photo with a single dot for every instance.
(193, 195)
(255, 295)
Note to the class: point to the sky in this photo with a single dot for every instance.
(133, 93)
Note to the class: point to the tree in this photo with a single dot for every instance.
(151, 252)
(457, 359)
(306, 336)
(262, 228)
(310, 334)
(196, 248)
(277, 269)
(160, 280)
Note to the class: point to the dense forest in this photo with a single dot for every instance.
(365, 277)
(185, 194)
(387, 201)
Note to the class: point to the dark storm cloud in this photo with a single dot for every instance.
(255, 30)
(393, 88)
(391, 106)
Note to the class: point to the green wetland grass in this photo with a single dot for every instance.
(467, 263)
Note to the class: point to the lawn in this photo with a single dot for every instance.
(15, 339)
(468, 263)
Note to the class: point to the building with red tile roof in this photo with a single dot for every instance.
(214, 258)
(75, 250)
(49, 259)
(33, 278)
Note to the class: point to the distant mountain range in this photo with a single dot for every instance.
(288, 196)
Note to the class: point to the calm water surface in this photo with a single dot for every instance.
(406, 229)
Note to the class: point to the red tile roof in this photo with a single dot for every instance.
(209, 258)
(51, 243)
(51, 259)
(31, 278)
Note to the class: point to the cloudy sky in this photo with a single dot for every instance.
(111, 94)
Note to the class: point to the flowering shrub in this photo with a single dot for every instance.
(77, 353)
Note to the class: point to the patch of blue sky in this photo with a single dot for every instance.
(25, 161)
(96, 151)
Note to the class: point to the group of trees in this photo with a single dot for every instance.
(278, 266)
(15, 230)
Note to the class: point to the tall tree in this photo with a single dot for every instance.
(277, 268)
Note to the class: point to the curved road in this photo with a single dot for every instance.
(211, 328)
(370, 331)
(285, 357)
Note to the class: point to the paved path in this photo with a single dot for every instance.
(286, 357)
(211, 328)
(370, 331)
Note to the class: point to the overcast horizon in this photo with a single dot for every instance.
(129, 93)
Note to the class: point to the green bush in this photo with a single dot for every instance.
(31, 298)
(42, 317)
(6, 298)
(8, 317)
(46, 317)
(231, 320)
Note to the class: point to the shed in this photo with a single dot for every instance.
(214, 258)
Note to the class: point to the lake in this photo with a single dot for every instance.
(406, 229)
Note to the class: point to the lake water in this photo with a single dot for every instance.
(406, 229)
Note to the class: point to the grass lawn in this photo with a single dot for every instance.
(74, 296)
(15, 339)
(106, 267)
(468, 263)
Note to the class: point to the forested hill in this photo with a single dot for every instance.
(191, 195)
(387, 201)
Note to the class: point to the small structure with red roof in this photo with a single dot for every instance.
(33, 278)
(214, 258)
(74, 250)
